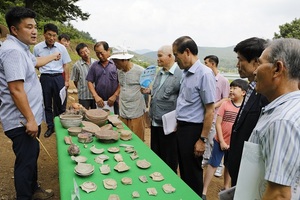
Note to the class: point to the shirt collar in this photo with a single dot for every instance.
(23, 45)
(194, 67)
(280, 100)
(171, 70)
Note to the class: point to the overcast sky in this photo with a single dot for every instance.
(149, 24)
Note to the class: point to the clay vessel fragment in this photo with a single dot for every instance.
(168, 188)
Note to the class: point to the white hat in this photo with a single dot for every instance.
(120, 53)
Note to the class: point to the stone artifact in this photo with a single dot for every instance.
(118, 157)
(126, 181)
(121, 167)
(105, 169)
(95, 150)
(101, 158)
(157, 176)
(84, 169)
(110, 183)
(90, 127)
(79, 159)
(143, 164)
(143, 179)
(168, 188)
(152, 191)
(74, 131)
(88, 186)
(73, 150)
(113, 149)
(135, 194)
(107, 136)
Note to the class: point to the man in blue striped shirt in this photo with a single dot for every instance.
(278, 128)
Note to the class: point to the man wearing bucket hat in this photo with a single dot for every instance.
(132, 103)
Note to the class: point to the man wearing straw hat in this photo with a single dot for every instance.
(21, 111)
(132, 103)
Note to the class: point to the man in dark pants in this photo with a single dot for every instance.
(194, 111)
(21, 97)
(248, 52)
(51, 78)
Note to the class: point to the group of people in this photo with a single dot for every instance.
(214, 118)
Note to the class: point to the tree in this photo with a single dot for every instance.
(56, 10)
(289, 30)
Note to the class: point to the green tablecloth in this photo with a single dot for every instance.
(66, 171)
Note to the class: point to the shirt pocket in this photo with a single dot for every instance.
(189, 94)
(113, 75)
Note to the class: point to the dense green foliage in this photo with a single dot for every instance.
(57, 10)
(289, 30)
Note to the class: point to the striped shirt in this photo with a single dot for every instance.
(278, 133)
(78, 74)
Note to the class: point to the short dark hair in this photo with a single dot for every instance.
(50, 27)
(239, 83)
(64, 35)
(251, 48)
(14, 16)
(212, 58)
(186, 42)
(80, 46)
(103, 43)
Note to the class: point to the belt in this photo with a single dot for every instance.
(184, 123)
(51, 75)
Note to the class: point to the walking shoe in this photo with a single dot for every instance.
(49, 132)
(219, 171)
(41, 194)
(203, 197)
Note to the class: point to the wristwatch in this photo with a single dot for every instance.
(203, 139)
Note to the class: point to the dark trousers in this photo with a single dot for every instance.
(51, 86)
(26, 150)
(165, 146)
(190, 168)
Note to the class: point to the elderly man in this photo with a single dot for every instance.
(164, 96)
(277, 130)
(102, 78)
(194, 111)
(132, 103)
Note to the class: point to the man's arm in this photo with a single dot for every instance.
(276, 191)
(199, 147)
(67, 75)
(114, 97)
(99, 101)
(19, 97)
(41, 61)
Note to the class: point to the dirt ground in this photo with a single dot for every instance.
(48, 170)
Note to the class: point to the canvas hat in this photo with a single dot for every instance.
(120, 53)
(3, 31)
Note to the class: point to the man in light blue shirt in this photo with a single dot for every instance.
(51, 78)
(278, 128)
(194, 111)
(21, 97)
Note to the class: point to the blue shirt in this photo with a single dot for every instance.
(18, 63)
(41, 49)
(198, 88)
(278, 133)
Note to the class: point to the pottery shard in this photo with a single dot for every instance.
(168, 188)
(143, 179)
(90, 127)
(121, 167)
(110, 183)
(113, 197)
(125, 134)
(157, 176)
(152, 191)
(73, 150)
(105, 169)
(126, 181)
(107, 135)
(118, 157)
(107, 127)
(114, 119)
(68, 140)
(88, 186)
(135, 194)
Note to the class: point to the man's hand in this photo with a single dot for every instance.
(32, 128)
(145, 90)
(99, 101)
(111, 100)
(56, 56)
(199, 148)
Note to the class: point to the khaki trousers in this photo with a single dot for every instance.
(136, 125)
